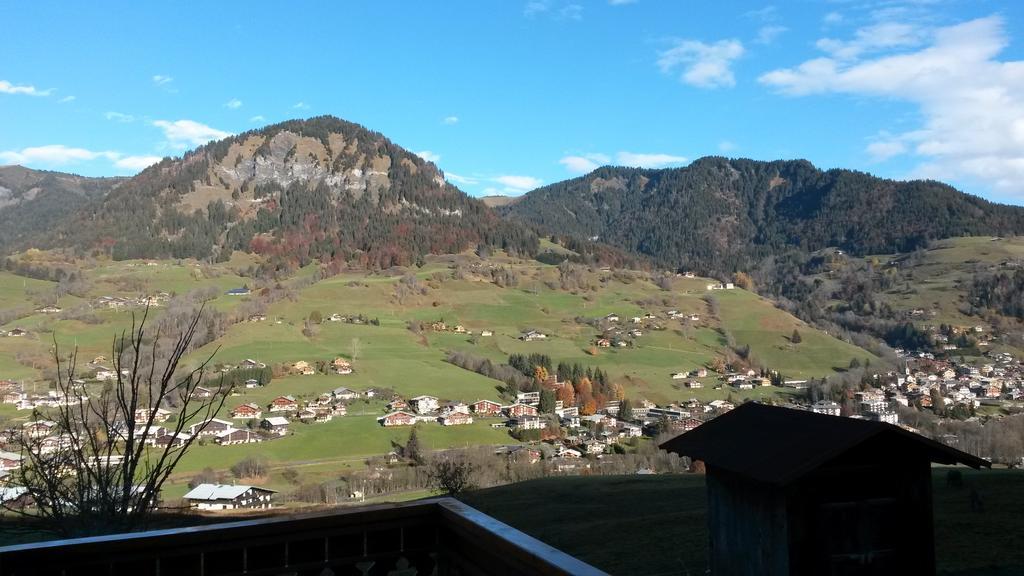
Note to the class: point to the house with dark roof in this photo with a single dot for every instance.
(791, 492)
(229, 497)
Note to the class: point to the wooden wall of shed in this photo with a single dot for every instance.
(870, 472)
(748, 527)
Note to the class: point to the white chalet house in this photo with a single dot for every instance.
(229, 497)
(424, 404)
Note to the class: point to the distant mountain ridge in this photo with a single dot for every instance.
(721, 215)
(330, 190)
(300, 190)
(34, 200)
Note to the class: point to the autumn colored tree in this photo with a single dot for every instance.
(584, 387)
(618, 391)
(567, 395)
(743, 280)
(718, 364)
(588, 407)
(540, 373)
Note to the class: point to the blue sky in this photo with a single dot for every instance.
(508, 95)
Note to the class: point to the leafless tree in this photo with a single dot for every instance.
(105, 458)
(452, 473)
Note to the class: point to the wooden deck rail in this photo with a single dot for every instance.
(440, 536)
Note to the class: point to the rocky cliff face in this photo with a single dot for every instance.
(304, 189)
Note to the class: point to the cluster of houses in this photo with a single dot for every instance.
(339, 366)
(867, 405)
(442, 326)
(273, 420)
(573, 434)
(120, 302)
(14, 333)
(12, 392)
(923, 380)
(997, 381)
(533, 336)
(619, 333)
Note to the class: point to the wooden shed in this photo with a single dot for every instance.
(791, 492)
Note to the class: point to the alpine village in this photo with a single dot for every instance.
(298, 347)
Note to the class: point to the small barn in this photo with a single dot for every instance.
(791, 492)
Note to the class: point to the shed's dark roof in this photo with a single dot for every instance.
(779, 445)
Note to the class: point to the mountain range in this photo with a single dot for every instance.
(721, 215)
(330, 190)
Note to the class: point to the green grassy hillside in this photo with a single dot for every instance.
(456, 289)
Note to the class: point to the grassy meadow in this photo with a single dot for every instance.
(391, 356)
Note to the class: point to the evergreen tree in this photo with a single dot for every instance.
(413, 451)
(547, 401)
(626, 410)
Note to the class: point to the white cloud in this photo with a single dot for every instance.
(450, 120)
(585, 163)
(463, 180)
(182, 134)
(571, 12)
(8, 88)
(56, 155)
(256, 119)
(649, 160)
(161, 79)
(768, 13)
(883, 149)
(535, 7)
(768, 34)
(517, 184)
(135, 163)
(301, 106)
(832, 18)
(971, 103)
(67, 99)
(726, 146)
(234, 104)
(878, 37)
(119, 117)
(703, 65)
(429, 156)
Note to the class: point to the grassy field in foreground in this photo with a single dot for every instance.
(656, 525)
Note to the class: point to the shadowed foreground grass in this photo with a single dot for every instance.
(655, 525)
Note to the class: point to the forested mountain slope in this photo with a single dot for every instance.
(321, 188)
(35, 200)
(720, 215)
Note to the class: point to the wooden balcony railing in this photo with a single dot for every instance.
(434, 537)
